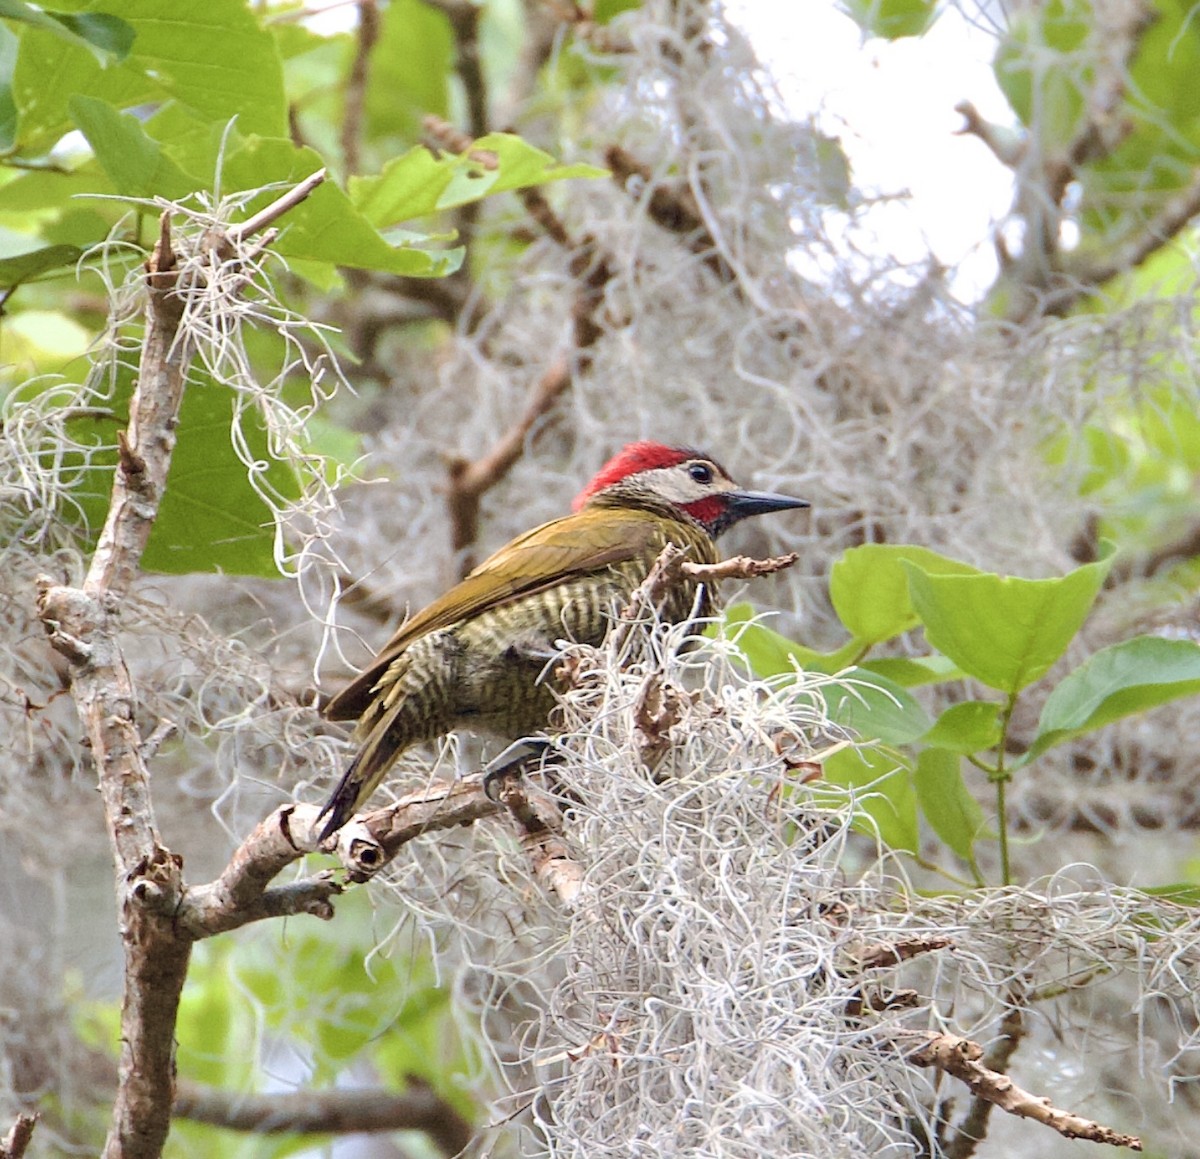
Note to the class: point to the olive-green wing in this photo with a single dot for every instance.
(574, 545)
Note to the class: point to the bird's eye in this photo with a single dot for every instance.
(701, 473)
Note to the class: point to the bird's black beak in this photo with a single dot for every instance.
(743, 504)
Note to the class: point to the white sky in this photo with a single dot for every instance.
(892, 105)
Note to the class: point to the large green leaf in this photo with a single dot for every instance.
(1127, 678)
(769, 653)
(325, 227)
(211, 518)
(16, 268)
(913, 671)
(970, 727)
(209, 55)
(1004, 631)
(418, 183)
(946, 802)
(868, 587)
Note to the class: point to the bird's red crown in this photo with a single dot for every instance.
(632, 460)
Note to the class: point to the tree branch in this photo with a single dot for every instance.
(673, 207)
(17, 1140)
(471, 479)
(81, 623)
(961, 1058)
(356, 86)
(368, 842)
(419, 1108)
(973, 1129)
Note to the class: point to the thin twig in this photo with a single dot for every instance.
(738, 567)
(273, 212)
(354, 101)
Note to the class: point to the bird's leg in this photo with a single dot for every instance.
(512, 762)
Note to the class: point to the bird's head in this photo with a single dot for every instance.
(681, 482)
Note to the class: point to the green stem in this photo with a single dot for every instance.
(1001, 776)
(1002, 820)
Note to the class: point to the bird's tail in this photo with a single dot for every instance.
(361, 778)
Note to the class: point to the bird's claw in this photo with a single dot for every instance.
(511, 762)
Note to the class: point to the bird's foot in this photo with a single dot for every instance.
(512, 762)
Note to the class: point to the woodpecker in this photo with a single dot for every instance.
(480, 656)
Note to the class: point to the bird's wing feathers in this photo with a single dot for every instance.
(574, 545)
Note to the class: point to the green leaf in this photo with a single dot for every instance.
(1185, 893)
(134, 161)
(770, 654)
(874, 708)
(211, 519)
(325, 227)
(946, 802)
(887, 800)
(913, 671)
(109, 38)
(212, 58)
(1119, 681)
(970, 727)
(1005, 632)
(893, 19)
(418, 183)
(868, 587)
(8, 106)
(21, 267)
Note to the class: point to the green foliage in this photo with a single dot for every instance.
(190, 103)
(1003, 632)
(893, 19)
(327, 1004)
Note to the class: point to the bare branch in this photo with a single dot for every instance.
(419, 1108)
(539, 816)
(273, 212)
(893, 953)
(241, 894)
(356, 86)
(738, 567)
(674, 207)
(17, 1140)
(973, 1129)
(81, 623)
(961, 1058)
(370, 841)
(464, 21)
(470, 480)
